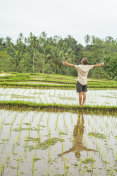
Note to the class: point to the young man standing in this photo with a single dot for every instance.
(83, 70)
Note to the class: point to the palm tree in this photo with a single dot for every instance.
(33, 44)
(87, 39)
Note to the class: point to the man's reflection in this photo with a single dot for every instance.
(78, 132)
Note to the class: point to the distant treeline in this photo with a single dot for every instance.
(44, 54)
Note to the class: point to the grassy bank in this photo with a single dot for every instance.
(21, 105)
(56, 86)
(50, 81)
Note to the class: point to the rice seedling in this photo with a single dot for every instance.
(48, 172)
(11, 126)
(49, 155)
(1, 126)
(23, 96)
(33, 117)
(65, 125)
(82, 171)
(26, 140)
(1, 170)
(56, 122)
(116, 157)
(65, 166)
(20, 125)
(33, 164)
(39, 131)
(14, 144)
(79, 166)
(29, 128)
(48, 123)
(92, 166)
(3, 165)
(18, 160)
(111, 173)
(18, 139)
(62, 146)
(8, 159)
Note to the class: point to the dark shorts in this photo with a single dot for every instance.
(81, 88)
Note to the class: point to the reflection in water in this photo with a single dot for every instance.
(78, 132)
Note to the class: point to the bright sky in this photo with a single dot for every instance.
(59, 17)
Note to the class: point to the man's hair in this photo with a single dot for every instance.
(84, 61)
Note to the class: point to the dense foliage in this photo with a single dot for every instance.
(44, 55)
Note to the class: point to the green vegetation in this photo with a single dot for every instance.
(44, 54)
(56, 86)
(51, 81)
(88, 160)
(15, 77)
(97, 135)
(45, 145)
(21, 105)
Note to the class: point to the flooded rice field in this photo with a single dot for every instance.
(50, 96)
(55, 143)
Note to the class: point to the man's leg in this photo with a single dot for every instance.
(80, 98)
(84, 97)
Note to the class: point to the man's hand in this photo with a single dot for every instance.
(64, 63)
(102, 64)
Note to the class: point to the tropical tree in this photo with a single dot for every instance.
(87, 39)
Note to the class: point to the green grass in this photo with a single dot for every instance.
(65, 82)
(58, 86)
(40, 85)
(21, 105)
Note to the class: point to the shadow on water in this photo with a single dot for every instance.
(78, 132)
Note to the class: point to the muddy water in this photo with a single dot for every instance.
(70, 97)
(49, 143)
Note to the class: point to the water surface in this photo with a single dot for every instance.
(68, 97)
(42, 143)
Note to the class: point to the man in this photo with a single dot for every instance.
(83, 70)
(78, 144)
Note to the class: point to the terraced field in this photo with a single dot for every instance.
(44, 131)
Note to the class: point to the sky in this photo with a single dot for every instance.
(59, 17)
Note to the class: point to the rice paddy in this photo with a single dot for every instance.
(55, 143)
(45, 132)
(65, 97)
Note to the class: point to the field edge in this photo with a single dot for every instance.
(20, 105)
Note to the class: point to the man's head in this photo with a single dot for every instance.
(84, 61)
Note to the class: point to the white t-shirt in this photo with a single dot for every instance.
(83, 73)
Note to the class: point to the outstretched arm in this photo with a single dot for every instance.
(98, 65)
(70, 65)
